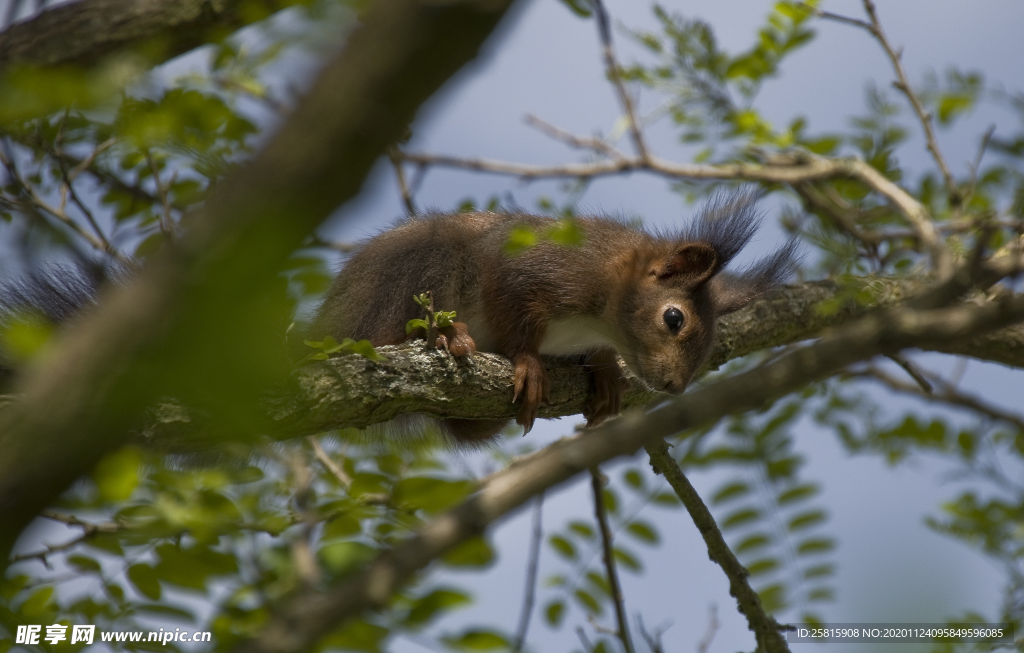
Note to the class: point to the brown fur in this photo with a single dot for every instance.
(605, 296)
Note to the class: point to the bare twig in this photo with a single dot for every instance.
(709, 635)
(587, 646)
(613, 71)
(914, 373)
(396, 161)
(597, 486)
(306, 566)
(32, 202)
(946, 394)
(530, 593)
(595, 144)
(89, 530)
(334, 468)
(765, 628)
(653, 639)
(976, 164)
(166, 221)
(69, 186)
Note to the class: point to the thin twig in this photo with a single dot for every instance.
(709, 635)
(530, 593)
(36, 204)
(396, 161)
(976, 164)
(595, 144)
(765, 628)
(653, 639)
(166, 222)
(89, 530)
(69, 186)
(597, 485)
(587, 646)
(334, 468)
(945, 394)
(914, 373)
(306, 566)
(612, 68)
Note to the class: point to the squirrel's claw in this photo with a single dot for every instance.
(530, 384)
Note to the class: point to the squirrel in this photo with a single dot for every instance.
(652, 299)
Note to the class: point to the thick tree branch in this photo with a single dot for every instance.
(83, 32)
(303, 620)
(196, 322)
(354, 392)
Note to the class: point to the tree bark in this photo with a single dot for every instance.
(83, 32)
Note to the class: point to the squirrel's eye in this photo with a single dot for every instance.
(673, 319)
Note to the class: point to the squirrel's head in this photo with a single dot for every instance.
(680, 290)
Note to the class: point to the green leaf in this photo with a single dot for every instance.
(581, 528)
(343, 557)
(643, 531)
(117, 474)
(416, 323)
(519, 240)
(440, 600)
(819, 571)
(474, 552)
(752, 542)
(478, 640)
(431, 494)
(729, 492)
(815, 545)
(578, 7)
(562, 546)
(342, 525)
(739, 518)
(633, 479)
(144, 578)
(627, 560)
(762, 566)
(587, 600)
(797, 493)
(554, 613)
(667, 499)
(806, 520)
(444, 318)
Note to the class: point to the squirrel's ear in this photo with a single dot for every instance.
(694, 263)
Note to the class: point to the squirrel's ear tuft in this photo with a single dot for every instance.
(731, 292)
(694, 263)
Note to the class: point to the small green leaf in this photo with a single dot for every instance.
(644, 532)
(634, 479)
(478, 640)
(440, 600)
(562, 546)
(752, 542)
(762, 566)
(627, 560)
(554, 613)
(587, 600)
(815, 545)
(416, 323)
(117, 474)
(145, 580)
(519, 240)
(474, 552)
(806, 520)
(729, 492)
(343, 557)
(740, 517)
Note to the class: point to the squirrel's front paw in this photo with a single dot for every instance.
(607, 385)
(459, 342)
(531, 385)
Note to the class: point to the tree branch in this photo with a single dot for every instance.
(83, 32)
(608, 556)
